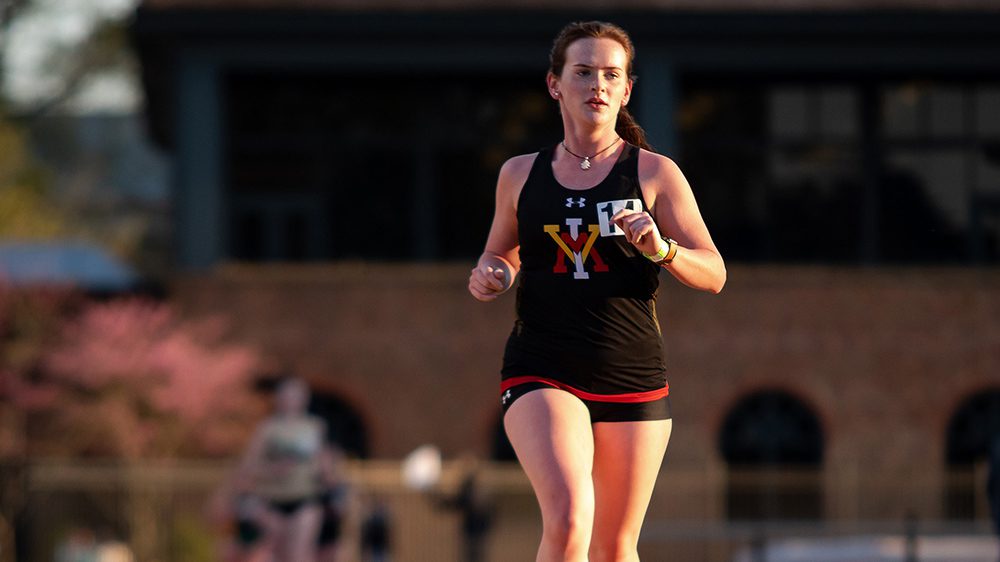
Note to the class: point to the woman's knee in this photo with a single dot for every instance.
(568, 520)
(618, 546)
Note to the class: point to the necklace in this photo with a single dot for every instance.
(585, 164)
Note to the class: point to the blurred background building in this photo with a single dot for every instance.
(321, 173)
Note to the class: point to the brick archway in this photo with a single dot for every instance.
(972, 436)
(773, 444)
(345, 426)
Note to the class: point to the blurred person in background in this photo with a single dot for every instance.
(283, 479)
(252, 540)
(339, 530)
(376, 533)
(583, 387)
(476, 508)
(234, 518)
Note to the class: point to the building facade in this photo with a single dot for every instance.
(334, 168)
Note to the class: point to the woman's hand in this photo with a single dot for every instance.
(640, 230)
(491, 277)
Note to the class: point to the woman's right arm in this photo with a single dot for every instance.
(500, 261)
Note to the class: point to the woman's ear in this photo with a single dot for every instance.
(553, 85)
(628, 93)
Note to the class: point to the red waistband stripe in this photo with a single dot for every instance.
(628, 397)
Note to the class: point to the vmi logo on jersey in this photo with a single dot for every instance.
(577, 245)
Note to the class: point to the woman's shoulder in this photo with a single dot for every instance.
(514, 174)
(518, 166)
(657, 168)
(654, 163)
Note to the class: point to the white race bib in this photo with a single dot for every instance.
(608, 209)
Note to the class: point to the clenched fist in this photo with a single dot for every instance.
(640, 230)
(490, 278)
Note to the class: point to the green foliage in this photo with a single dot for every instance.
(26, 215)
(33, 206)
(25, 211)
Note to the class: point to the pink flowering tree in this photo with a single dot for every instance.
(127, 379)
(131, 379)
(29, 321)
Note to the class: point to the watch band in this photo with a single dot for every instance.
(664, 256)
(671, 251)
(659, 255)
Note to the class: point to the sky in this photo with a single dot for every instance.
(35, 48)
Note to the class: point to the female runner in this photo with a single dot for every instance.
(284, 473)
(588, 224)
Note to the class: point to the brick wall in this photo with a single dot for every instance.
(882, 356)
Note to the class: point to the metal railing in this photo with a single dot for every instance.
(161, 509)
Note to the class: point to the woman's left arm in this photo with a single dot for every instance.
(697, 262)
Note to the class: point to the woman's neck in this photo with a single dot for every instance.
(588, 141)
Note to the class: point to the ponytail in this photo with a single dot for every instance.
(630, 131)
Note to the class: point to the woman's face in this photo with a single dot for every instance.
(292, 397)
(593, 85)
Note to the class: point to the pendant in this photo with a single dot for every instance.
(585, 165)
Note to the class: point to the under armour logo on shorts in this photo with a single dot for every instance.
(505, 397)
(577, 203)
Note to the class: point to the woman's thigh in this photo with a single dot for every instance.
(302, 532)
(550, 432)
(627, 458)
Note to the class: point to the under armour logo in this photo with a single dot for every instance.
(577, 203)
(505, 397)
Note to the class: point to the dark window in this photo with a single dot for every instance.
(773, 445)
(376, 170)
(844, 170)
(247, 230)
(296, 236)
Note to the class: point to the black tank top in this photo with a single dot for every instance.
(586, 298)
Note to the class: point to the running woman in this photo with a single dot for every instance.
(588, 224)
